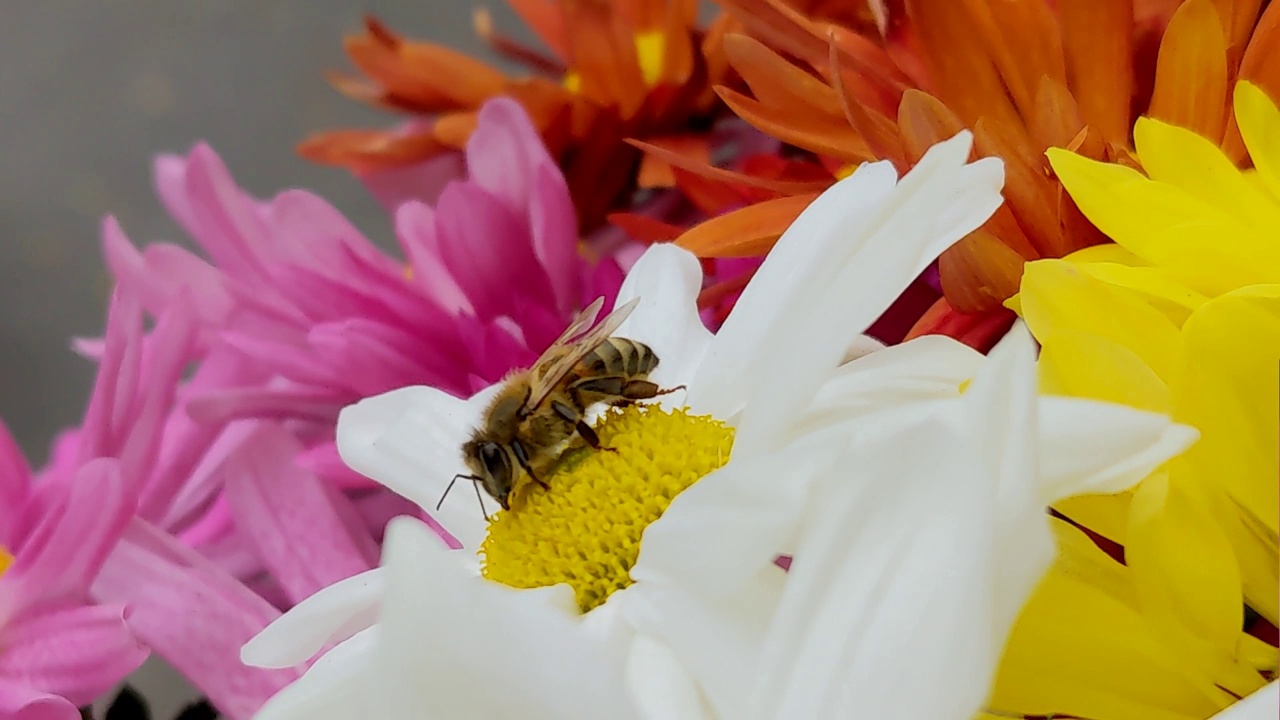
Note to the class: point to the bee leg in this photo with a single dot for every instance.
(586, 431)
(644, 389)
(522, 457)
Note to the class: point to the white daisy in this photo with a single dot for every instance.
(886, 482)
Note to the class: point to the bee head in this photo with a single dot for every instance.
(491, 462)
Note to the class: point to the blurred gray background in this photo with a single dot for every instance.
(89, 92)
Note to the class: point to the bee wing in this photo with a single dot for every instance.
(549, 371)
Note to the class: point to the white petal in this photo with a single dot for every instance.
(410, 440)
(334, 688)
(451, 645)
(659, 686)
(1263, 704)
(715, 640)
(928, 368)
(667, 280)
(886, 609)
(1125, 445)
(869, 256)
(333, 614)
(861, 346)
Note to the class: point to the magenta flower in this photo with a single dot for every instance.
(491, 275)
(58, 651)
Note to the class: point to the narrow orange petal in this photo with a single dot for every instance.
(1027, 191)
(979, 272)
(1004, 226)
(430, 73)
(870, 74)
(979, 331)
(780, 27)
(1097, 38)
(713, 54)
(453, 130)
(1056, 120)
(678, 62)
(512, 49)
(368, 150)
(655, 167)
(924, 122)
(878, 131)
(776, 82)
(644, 228)
(708, 195)
(1191, 72)
(546, 21)
(963, 73)
(602, 51)
(1238, 18)
(701, 166)
(1025, 43)
(816, 134)
(748, 232)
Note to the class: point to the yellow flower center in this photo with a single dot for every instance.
(651, 46)
(6, 559)
(585, 530)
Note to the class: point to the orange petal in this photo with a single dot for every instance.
(1097, 38)
(546, 21)
(644, 228)
(963, 73)
(1056, 120)
(819, 134)
(1260, 65)
(748, 232)
(1025, 43)
(1238, 18)
(1004, 226)
(655, 167)
(1027, 191)
(368, 150)
(701, 166)
(869, 73)
(602, 51)
(678, 61)
(1191, 72)
(430, 73)
(979, 331)
(878, 131)
(924, 122)
(776, 82)
(512, 49)
(979, 272)
(780, 27)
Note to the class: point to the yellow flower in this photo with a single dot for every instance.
(1182, 315)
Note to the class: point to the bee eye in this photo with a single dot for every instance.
(495, 461)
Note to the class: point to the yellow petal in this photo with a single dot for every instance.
(1155, 285)
(1186, 578)
(1108, 253)
(1080, 648)
(1182, 159)
(1204, 246)
(1259, 122)
(1227, 387)
(1057, 295)
(1257, 654)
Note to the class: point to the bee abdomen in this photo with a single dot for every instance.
(620, 356)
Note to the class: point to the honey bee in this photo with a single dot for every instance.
(538, 411)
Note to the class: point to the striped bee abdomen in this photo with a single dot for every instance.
(620, 356)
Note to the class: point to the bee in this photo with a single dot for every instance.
(539, 411)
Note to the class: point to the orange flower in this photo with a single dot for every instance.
(619, 69)
(1023, 75)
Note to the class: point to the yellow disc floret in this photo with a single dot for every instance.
(585, 530)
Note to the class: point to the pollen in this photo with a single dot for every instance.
(585, 530)
(6, 559)
(651, 48)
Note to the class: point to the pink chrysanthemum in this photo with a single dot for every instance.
(58, 650)
(492, 274)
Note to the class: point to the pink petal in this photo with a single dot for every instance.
(19, 701)
(227, 223)
(319, 404)
(117, 377)
(15, 480)
(505, 153)
(78, 653)
(65, 550)
(415, 183)
(194, 615)
(554, 227)
(309, 231)
(416, 231)
(301, 529)
(486, 247)
(323, 460)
